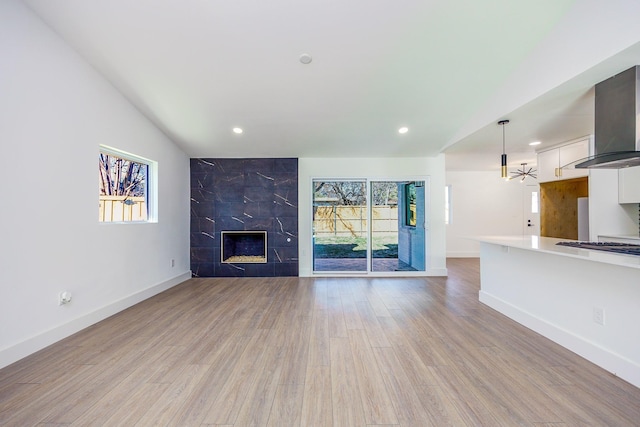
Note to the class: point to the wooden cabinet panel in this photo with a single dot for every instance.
(559, 207)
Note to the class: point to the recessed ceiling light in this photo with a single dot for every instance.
(237, 130)
(535, 143)
(403, 130)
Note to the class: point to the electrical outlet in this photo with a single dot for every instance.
(598, 315)
(64, 298)
(173, 263)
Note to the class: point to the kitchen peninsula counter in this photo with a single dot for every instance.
(549, 245)
(585, 300)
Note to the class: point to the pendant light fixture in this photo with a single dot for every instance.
(503, 159)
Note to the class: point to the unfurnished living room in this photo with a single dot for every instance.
(306, 213)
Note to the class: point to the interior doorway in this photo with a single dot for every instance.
(367, 225)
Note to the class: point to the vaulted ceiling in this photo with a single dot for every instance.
(446, 69)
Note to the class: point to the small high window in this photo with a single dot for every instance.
(447, 205)
(535, 208)
(124, 184)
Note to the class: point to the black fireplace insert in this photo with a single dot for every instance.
(244, 247)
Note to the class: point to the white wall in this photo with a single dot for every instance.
(382, 168)
(482, 204)
(55, 110)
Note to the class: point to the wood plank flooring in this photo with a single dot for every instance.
(287, 352)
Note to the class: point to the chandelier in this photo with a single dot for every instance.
(523, 173)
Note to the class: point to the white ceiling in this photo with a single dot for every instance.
(198, 68)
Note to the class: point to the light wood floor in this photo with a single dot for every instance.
(314, 352)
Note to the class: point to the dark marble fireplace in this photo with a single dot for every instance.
(244, 195)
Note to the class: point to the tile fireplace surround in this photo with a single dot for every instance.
(244, 195)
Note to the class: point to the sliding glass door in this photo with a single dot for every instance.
(368, 225)
(340, 235)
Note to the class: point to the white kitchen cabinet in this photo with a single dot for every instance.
(551, 162)
(629, 185)
(548, 165)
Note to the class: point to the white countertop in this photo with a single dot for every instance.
(548, 245)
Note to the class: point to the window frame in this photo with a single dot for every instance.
(151, 188)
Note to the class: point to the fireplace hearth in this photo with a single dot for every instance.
(240, 247)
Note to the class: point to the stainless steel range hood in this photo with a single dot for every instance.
(617, 127)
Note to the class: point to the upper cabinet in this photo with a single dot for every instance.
(552, 162)
(629, 185)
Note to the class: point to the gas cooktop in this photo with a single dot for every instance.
(620, 248)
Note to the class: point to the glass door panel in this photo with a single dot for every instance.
(384, 225)
(340, 226)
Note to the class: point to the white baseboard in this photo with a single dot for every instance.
(29, 346)
(439, 272)
(618, 365)
(463, 254)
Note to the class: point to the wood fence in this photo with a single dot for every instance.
(122, 209)
(352, 220)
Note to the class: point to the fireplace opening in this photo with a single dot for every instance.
(244, 246)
